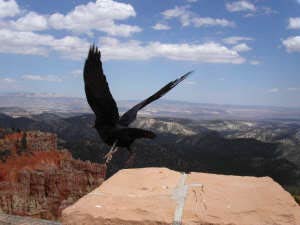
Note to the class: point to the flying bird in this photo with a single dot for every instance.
(113, 129)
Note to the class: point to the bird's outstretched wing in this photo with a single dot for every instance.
(128, 117)
(97, 91)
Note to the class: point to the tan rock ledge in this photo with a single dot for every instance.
(159, 196)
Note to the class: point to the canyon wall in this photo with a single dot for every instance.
(40, 183)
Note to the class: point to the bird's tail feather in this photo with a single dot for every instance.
(139, 133)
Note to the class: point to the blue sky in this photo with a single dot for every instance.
(243, 52)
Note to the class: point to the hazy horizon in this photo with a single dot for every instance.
(164, 99)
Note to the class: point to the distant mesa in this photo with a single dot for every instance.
(32, 94)
(14, 104)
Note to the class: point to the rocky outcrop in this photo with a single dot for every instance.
(153, 196)
(40, 183)
(30, 141)
(43, 189)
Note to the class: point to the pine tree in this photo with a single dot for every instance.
(23, 145)
(24, 141)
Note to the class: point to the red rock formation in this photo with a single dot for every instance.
(35, 141)
(42, 183)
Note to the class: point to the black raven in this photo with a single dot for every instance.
(113, 129)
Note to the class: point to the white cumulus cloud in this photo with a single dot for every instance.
(72, 47)
(238, 6)
(135, 50)
(49, 78)
(160, 26)
(243, 47)
(255, 62)
(187, 17)
(236, 39)
(294, 23)
(292, 44)
(100, 15)
(30, 22)
(180, 12)
(8, 8)
(29, 43)
(208, 21)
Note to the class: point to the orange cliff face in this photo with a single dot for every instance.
(35, 141)
(40, 182)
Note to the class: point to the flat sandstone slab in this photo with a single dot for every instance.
(159, 196)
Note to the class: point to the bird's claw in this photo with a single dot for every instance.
(108, 157)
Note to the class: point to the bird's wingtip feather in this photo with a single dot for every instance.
(189, 73)
(94, 51)
(186, 75)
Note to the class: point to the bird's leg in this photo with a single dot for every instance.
(130, 159)
(112, 151)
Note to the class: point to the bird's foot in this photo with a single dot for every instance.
(109, 155)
